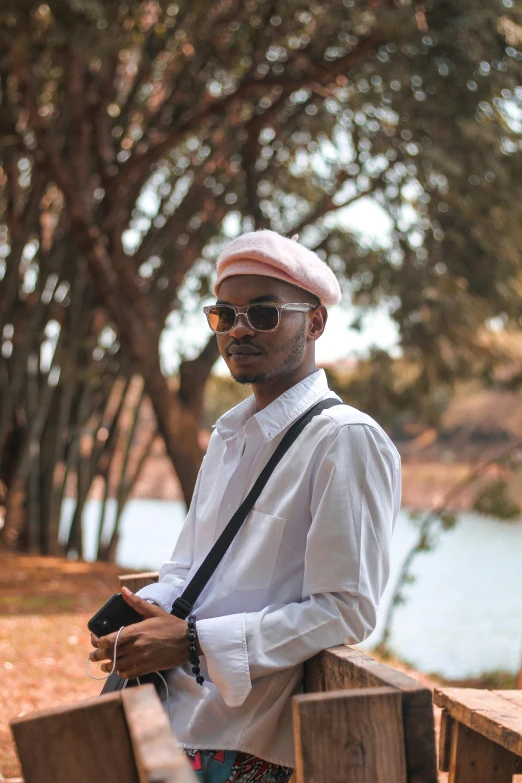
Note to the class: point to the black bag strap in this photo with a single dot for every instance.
(183, 605)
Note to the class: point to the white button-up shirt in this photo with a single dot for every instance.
(305, 572)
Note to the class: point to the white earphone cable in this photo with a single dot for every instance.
(93, 677)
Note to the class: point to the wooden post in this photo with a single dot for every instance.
(82, 742)
(475, 759)
(136, 581)
(122, 737)
(345, 668)
(446, 728)
(158, 757)
(349, 737)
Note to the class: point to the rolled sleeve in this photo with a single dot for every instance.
(163, 594)
(223, 643)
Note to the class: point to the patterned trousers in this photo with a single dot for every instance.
(231, 766)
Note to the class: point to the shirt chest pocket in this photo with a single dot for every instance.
(251, 561)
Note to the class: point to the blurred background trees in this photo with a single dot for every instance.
(137, 138)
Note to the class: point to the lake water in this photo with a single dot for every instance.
(463, 615)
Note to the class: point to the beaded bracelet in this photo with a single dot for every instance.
(193, 651)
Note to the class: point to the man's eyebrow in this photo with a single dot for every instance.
(265, 298)
(255, 300)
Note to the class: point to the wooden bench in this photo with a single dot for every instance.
(481, 734)
(376, 724)
(122, 737)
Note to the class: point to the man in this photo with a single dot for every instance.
(310, 563)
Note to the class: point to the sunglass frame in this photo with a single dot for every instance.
(294, 307)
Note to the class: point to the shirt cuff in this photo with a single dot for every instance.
(223, 642)
(163, 594)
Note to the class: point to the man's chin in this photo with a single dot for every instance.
(252, 378)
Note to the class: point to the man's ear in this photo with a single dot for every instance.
(317, 323)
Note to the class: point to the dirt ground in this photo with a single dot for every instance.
(44, 607)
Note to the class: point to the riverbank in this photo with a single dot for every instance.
(44, 607)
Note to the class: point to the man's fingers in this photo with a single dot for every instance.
(142, 607)
(124, 637)
(107, 642)
(105, 654)
(123, 663)
(101, 654)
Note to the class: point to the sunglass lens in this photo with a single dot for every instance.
(263, 317)
(221, 318)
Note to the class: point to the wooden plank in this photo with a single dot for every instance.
(340, 668)
(475, 759)
(515, 697)
(136, 581)
(343, 667)
(446, 727)
(360, 739)
(158, 757)
(487, 712)
(83, 742)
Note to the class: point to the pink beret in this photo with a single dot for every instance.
(272, 255)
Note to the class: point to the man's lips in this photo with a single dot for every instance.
(243, 350)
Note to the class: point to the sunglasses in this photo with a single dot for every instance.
(260, 317)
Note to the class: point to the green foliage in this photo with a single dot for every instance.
(496, 679)
(448, 520)
(221, 394)
(493, 500)
(388, 389)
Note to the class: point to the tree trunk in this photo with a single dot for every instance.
(108, 552)
(33, 483)
(178, 423)
(59, 425)
(14, 522)
(179, 426)
(116, 282)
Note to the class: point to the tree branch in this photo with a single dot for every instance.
(136, 168)
(81, 127)
(104, 146)
(115, 278)
(327, 205)
(155, 238)
(250, 155)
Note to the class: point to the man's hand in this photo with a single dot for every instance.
(159, 642)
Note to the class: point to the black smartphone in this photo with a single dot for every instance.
(110, 618)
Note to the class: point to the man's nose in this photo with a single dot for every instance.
(241, 328)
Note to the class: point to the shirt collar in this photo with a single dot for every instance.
(280, 413)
